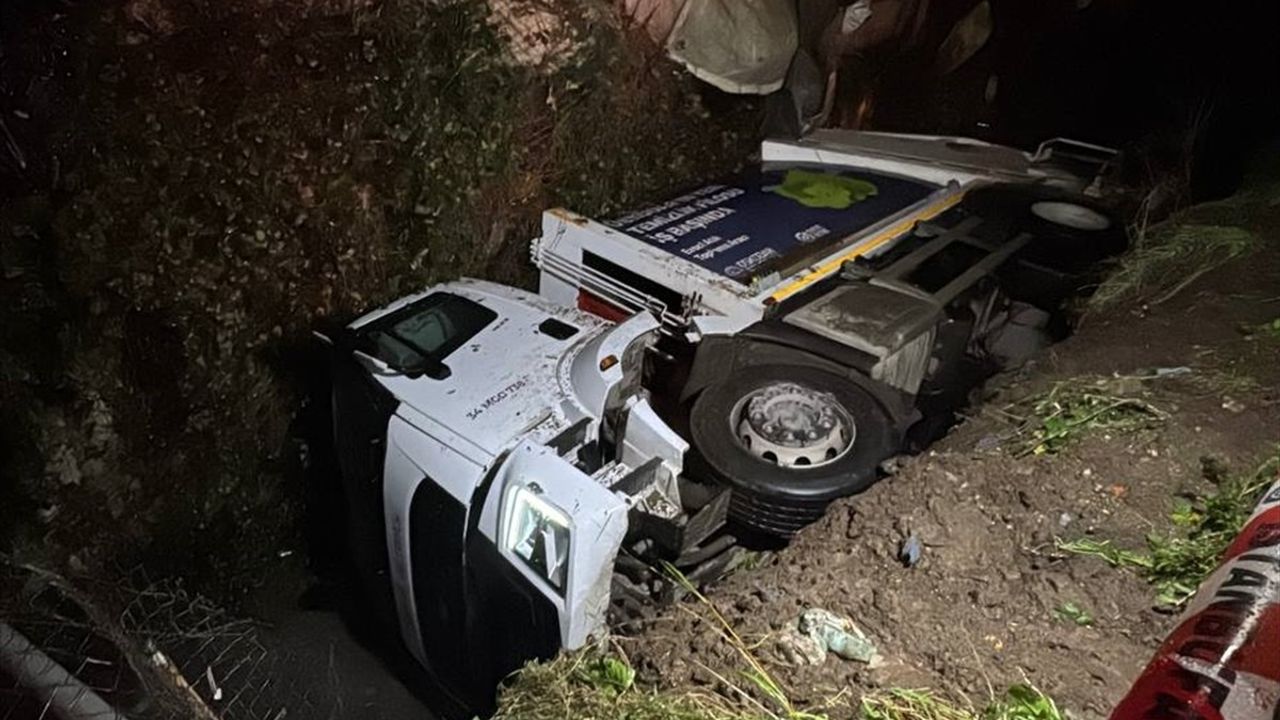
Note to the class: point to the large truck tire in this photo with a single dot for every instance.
(788, 440)
(1070, 237)
(1070, 232)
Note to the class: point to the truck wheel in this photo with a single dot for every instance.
(1071, 232)
(788, 440)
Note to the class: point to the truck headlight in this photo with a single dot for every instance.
(537, 532)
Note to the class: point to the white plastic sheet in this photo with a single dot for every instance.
(739, 46)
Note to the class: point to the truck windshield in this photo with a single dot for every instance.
(429, 329)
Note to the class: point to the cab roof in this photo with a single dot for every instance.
(503, 378)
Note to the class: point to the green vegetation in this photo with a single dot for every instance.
(906, 704)
(1181, 559)
(1114, 556)
(1073, 613)
(596, 684)
(1168, 258)
(1023, 702)
(1020, 702)
(251, 175)
(571, 685)
(608, 673)
(1270, 330)
(1176, 562)
(1072, 408)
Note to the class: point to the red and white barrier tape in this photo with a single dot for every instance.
(1222, 662)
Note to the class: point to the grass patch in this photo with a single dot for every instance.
(1181, 559)
(1177, 561)
(906, 704)
(593, 685)
(1073, 408)
(1167, 259)
(598, 684)
(1020, 702)
(609, 673)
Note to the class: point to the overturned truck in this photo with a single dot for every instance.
(712, 370)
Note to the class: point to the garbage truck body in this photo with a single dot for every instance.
(844, 296)
(518, 469)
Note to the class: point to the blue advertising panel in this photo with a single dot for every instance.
(759, 221)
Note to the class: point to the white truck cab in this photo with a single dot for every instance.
(499, 444)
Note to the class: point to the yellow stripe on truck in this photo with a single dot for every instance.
(864, 247)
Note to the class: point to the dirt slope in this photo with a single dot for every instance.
(978, 612)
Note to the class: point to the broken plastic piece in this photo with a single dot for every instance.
(820, 631)
(910, 550)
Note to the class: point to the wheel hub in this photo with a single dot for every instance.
(793, 425)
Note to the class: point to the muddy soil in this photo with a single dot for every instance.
(977, 613)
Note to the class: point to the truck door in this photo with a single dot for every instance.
(541, 545)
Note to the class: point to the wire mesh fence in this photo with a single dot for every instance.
(33, 684)
(118, 652)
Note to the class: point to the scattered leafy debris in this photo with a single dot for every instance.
(598, 685)
(1269, 330)
(1177, 562)
(595, 684)
(1079, 406)
(1073, 613)
(1114, 556)
(569, 686)
(907, 704)
(1023, 702)
(1181, 559)
(1020, 702)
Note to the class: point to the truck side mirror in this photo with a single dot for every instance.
(430, 367)
(435, 370)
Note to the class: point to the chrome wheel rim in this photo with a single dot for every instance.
(792, 425)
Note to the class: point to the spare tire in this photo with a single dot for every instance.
(788, 440)
(1070, 232)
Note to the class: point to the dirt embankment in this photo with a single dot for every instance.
(233, 172)
(993, 601)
